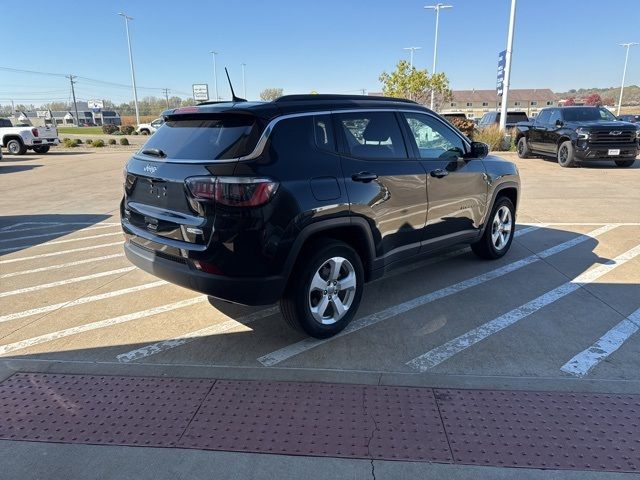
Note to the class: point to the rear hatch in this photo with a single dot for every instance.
(159, 206)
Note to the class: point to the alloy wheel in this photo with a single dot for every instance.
(501, 228)
(332, 290)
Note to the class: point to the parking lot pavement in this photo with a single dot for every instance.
(559, 312)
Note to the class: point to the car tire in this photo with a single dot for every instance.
(144, 131)
(566, 155)
(624, 163)
(523, 149)
(498, 233)
(43, 149)
(16, 147)
(327, 270)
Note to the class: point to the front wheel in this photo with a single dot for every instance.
(43, 149)
(498, 235)
(624, 163)
(566, 155)
(325, 289)
(16, 147)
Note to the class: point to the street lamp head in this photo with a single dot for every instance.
(127, 17)
(630, 44)
(438, 6)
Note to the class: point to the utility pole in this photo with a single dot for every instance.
(624, 72)
(507, 68)
(215, 74)
(437, 7)
(166, 96)
(244, 85)
(133, 74)
(73, 94)
(411, 49)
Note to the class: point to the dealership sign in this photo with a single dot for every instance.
(502, 61)
(95, 105)
(200, 92)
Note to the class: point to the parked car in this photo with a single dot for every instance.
(451, 116)
(304, 199)
(19, 139)
(149, 128)
(572, 134)
(493, 119)
(629, 118)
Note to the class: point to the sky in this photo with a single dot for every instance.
(330, 46)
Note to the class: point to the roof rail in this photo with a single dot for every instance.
(336, 97)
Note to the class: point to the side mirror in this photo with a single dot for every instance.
(478, 150)
(559, 123)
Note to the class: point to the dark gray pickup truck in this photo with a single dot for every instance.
(572, 134)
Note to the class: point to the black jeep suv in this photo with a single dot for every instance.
(306, 198)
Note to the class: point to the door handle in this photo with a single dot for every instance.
(365, 177)
(439, 173)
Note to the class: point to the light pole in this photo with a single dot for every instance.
(507, 68)
(215, 74)
(244, 85)
(411, 49)
(437, 7)
(133, 74)
(624, 72)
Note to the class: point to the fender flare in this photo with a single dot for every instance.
(502, 186)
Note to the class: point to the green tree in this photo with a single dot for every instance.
(409, 82)
(269, 94)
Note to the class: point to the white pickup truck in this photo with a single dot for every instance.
(19, 139)
(149, 128)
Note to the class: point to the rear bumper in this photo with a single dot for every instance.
(601, 152)
(245, 291)
(40, 142)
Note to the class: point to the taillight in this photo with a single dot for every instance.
(233, 191)
(34, 132)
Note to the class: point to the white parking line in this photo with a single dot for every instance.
(12, 228)
(61, 252)
(61, 265)
(80, 301)
(52, 234)
(444, 352)
(294, 349)
(582, 363)
(66, 282)
(57, 242)
(48, 337)
(189, 337)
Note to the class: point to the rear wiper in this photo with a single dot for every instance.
(156, 152)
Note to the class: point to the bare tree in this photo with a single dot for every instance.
(269, 94)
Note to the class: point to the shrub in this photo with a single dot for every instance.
(465, 125)
(117, 132)
(127, 129)
(65, 139)
(492, 136)
(109, 129)
(88, 141)
(78, 141)
(135, 133)
(112, 141)
(69, 143)
(124, 141)
(98, 143)
(514, 134)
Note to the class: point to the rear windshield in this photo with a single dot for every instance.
(587, 114)
(208, 138)
(514, 117)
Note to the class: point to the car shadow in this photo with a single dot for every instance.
(19, 232)
(16, 168)
(242, 343)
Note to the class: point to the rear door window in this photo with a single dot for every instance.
(372, 135)
(206, 138)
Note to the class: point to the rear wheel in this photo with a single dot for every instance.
(523, 148)
(566, 156)
(624, 163)
(498, 235)
(43, 149)
(325, 289)
(16, 147)
(144, 131)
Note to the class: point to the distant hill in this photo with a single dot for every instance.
(631, 94)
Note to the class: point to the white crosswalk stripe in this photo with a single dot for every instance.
(581, 364)
(292, 350)
(444, 352)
